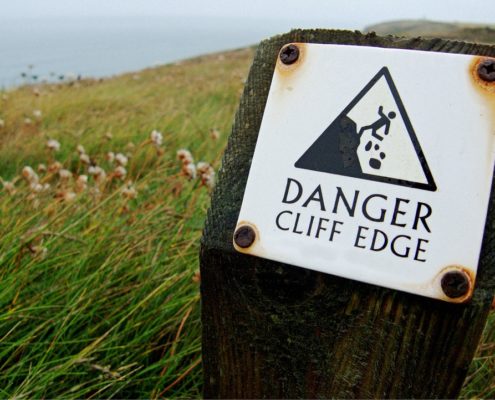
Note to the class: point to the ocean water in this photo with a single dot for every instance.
(46, 49)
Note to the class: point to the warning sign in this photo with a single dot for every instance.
(373, 172)
(372, 138)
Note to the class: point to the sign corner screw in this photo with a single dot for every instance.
(486, 70)
(289, 54)
(455, 284)
(244, 236)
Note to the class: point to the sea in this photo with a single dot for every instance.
(52, 49)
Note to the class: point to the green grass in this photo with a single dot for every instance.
(111, 307)
(99, 295)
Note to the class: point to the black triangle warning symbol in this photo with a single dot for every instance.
(373, 139)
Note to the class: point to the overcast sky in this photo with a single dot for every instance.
(328, 13)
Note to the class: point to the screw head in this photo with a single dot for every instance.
(244, 236)
(486, 70)
(455, 284)
(289, 54)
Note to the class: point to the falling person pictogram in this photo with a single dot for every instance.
(382, 122)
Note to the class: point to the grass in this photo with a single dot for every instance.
(99, 288)
(99, 292)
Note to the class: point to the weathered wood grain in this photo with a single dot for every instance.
(272, 330)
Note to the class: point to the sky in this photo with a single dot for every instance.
(300, 13)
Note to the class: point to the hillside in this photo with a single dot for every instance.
(425, 28)
(100, 225)
(102, 202)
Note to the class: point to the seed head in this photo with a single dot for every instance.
(65, 174)
(207, 174)
(85, 158)
(65, 195)
(9, 187)
(129, 192)
(189, 170)
(2, 123)
(185, 156)
(36, 187)
(37, 114)
(214, 134)
(29, 175)
(110, 156)
(121, 159)
(120, 172)
(130, 147)
(156, 138)
(98, 173)
(41, 168)
(55, 167)
(80, 149)
(81, 183)
(53, 145)
(27, 121)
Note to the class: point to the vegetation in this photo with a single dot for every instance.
(445, 30)
(99, 237)
(99, 251)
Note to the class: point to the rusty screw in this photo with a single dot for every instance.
(244, 236)
(289, 54)
(486, 70)
(455, 284)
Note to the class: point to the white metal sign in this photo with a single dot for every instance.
(375, 165)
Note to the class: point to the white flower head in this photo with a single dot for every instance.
(98, 173)
(209, 181)
(185, 156)
(85, 158)
(156, 138)
(36, 187)
(121, 159)
(110, 156)
(81, 183)
(120, 172)
(53, 145)
(55, 167)
(205, 168)
(8, 186)
(65, 174)
(37, 114)
(67, 196)
(129, 192)
(207, 174)
(29, 175)
(189, 170)
(80, 149)
(41, 168)
(27, 121)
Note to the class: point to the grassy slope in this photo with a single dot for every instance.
(112, 308)
(446, 30)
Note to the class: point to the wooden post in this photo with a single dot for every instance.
(276, 331)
